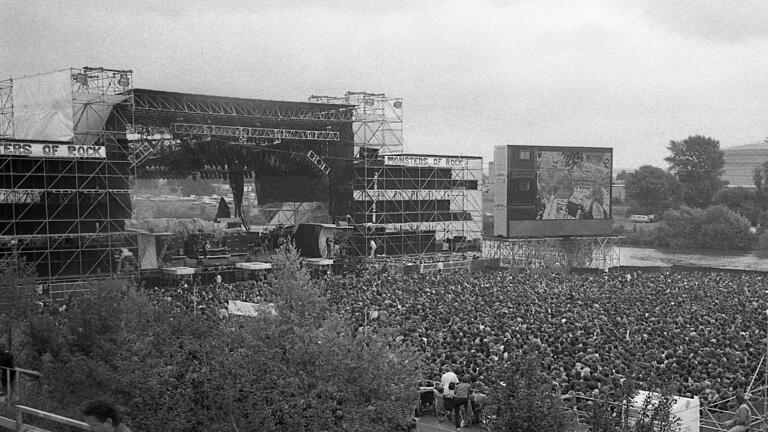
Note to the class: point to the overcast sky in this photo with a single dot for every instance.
(627, 74)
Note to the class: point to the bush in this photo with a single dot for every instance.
(304, 369)
(525, 400)
(717, 227)
(722, 228)
(762, 245)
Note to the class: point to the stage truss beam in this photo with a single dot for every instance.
(189, 104)
(253, 132)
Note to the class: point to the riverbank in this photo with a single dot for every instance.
(663, 257)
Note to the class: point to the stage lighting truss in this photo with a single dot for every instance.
(253, 132)
(201, 105)
(101, 81)
(318, 162)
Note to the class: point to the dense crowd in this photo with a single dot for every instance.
(212, 299)
(703, 333)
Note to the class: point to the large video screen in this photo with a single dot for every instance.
(573, 184)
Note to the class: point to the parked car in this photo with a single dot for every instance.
(641, 218)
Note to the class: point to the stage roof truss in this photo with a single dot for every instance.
(154, 101)
(253, 132)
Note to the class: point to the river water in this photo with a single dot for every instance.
(636, 256)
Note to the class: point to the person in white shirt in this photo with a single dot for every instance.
(448, 393)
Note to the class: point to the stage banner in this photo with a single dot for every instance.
(42, 107)
(427, 161)
(67, 151)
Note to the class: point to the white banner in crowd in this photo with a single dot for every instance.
(236, 307)
(64, 150)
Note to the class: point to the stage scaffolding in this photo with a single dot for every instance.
(6, 109)
(553, 253)
(377, 120)
(66, 215)
(406, 209)
(416, 210)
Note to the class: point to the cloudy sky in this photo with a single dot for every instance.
(627, 74)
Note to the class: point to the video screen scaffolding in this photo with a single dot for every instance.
(552, 207)
(64, 173)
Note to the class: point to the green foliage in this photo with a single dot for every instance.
(304, 369)
(653, 414)
(741, 200)
(762, 245)
(622, 175)
(17, 293)
(698, 163)
(650, 187)
(760, 178)
(716, 228)
(525, 402)
(656, 237)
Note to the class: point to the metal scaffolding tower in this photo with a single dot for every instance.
(554, 252)
(377, 120)
(66, 213)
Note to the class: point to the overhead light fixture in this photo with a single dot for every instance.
(124, 81)
(82, 79)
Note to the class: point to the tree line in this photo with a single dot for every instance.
(697, 207)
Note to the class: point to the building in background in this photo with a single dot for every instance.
(741, 161)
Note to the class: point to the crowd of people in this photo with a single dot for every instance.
(703, 333)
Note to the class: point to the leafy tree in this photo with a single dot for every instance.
(760, 177)
(17, 293)
(622, 175)
(741, 200)
(304, 369)
(650, 187)
(722, 228)
(698, 163)
(734, 198)
(717, 227)
(525, 402)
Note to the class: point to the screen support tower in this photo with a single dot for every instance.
(554, 252)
